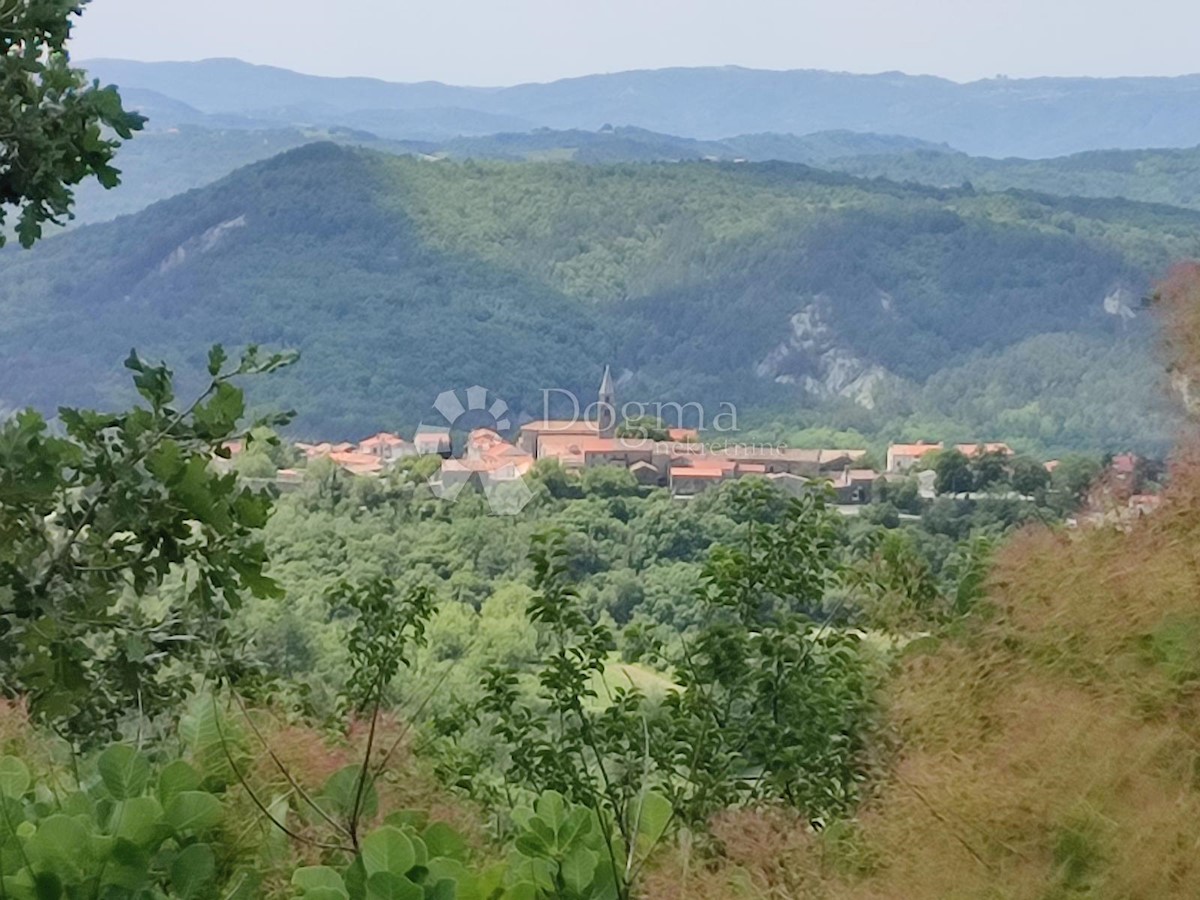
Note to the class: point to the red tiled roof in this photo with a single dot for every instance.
(1124, 463)
(356, 463)
(579, 444)
(350, 457)
(324, 448)
(383, 439)
(431, 438)
(918, 449)
(696, 472)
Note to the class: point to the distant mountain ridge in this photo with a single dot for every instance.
(176, 154)
(996, 117)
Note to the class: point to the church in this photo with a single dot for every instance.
(682, 463)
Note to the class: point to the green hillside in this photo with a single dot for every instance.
(797, 294)
(1155, 176)
(187, 150)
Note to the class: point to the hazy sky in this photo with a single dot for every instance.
(508, 41)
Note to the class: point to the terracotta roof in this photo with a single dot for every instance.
(383, 439)
(581, 444)
(1124, 463)
(432, 439)
(324, 448)
(358, 463)
(752, 469)
(487, 464)
(918, 449)
(351, 457)
(683, 434)
(484, 440)
(696, 472)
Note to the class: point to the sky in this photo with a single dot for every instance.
(500, 42)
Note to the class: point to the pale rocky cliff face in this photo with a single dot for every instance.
(200, 244)
(1183, 389)
(812, 358)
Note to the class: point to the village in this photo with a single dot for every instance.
(673, 458)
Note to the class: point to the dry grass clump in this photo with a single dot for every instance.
(311, 756)
(14, 724)
(1056, 752)
(1176, 301)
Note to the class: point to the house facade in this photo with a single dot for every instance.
(904, 457)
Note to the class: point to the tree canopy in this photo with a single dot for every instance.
(55, 127)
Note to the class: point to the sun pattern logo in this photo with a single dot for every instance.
(503, 485)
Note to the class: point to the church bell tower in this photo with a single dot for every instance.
(606, 420)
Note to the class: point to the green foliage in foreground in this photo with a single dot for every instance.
(764, 693)
(770, 706)
(54, 127)
(95, 521)
(128, 827)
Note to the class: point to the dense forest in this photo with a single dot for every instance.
(788, 291)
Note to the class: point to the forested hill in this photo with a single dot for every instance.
(777, 287)
(993, 117)
(185, 150)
